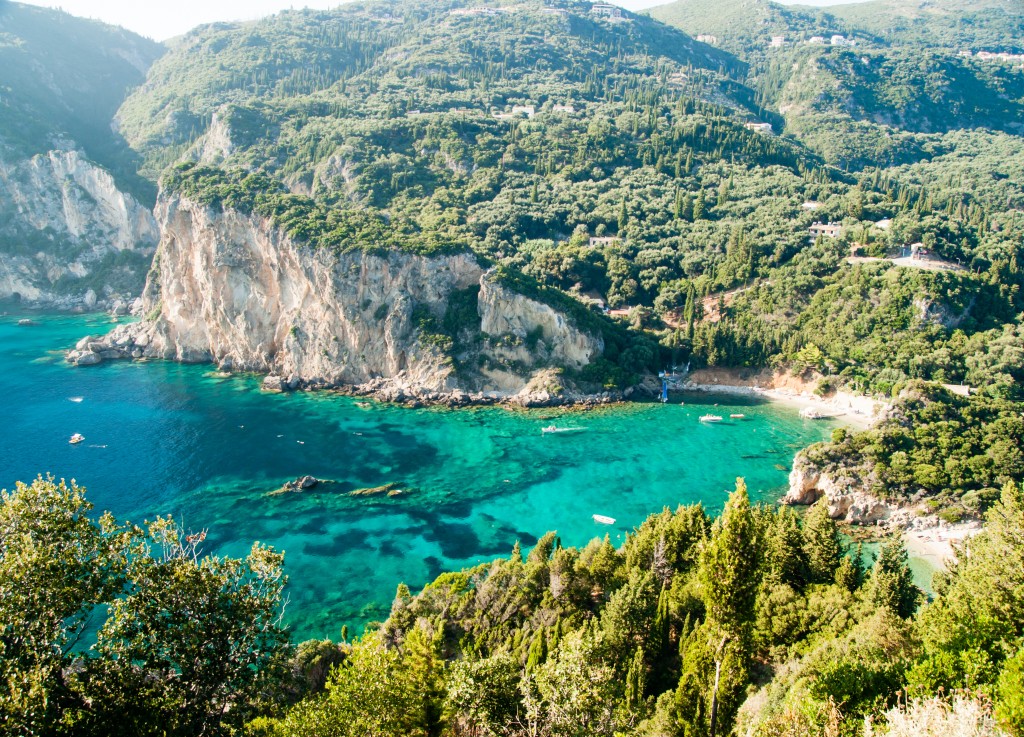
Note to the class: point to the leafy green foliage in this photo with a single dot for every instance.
(958, 451)
(302, 218)
(182, 638)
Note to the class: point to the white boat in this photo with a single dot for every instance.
(810, 413)
(710, 418)
(602, 519)
(76, 438)
(737, 416)
(554, 429)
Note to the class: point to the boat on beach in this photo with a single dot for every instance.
(76, 438)
(604, 520)
(710, 418)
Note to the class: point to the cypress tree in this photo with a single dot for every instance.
(892, 584)
(698, 206)
(538, 651)
(636, 680)
(821, 544)
(728, 566)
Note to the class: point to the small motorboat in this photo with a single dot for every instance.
(710, 418)
(77, 438)
(810, 413)
(739, 416)
(604, 520)
(556, 429)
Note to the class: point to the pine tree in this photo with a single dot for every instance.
(426, 671)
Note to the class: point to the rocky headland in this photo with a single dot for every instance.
(232, 289)
(846, 491)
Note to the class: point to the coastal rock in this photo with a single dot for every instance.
(234, 290)
(303, 483)
(846, 498)
(273, 383)
(86, 358)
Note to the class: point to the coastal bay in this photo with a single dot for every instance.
(210, 448)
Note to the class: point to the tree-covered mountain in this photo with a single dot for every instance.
(978, 25)
(75, 223)
(63, 80)
(853, 81)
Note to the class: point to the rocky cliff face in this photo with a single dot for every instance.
(233, 289)
(847, 499)
(68, 235)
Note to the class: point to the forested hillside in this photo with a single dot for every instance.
(759, 623)
(63, 80)
(75, 223)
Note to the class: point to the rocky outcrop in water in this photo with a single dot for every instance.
(68, 236)
(234, 290)
(845, 493)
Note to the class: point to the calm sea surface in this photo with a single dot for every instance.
(163, 438)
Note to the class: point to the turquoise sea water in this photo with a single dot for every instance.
(163, 438)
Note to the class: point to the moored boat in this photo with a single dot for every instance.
(556, 429)
(738, 416)
(604, 520)
(710, 418)
(76, 438)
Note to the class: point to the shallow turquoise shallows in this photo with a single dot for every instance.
(162, 438)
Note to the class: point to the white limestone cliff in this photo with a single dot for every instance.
(67, 230)
(846, 494)
(233, 289)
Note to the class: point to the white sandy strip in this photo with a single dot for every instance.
(935, 544)
(850, 409)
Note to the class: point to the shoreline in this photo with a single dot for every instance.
(853, 410)
(936, 544)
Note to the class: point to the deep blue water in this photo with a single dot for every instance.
(163, 438)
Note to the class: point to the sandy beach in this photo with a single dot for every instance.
(857, 411)
(935, 544)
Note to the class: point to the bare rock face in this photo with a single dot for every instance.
(61, 218)
(846, 495)
(234, 290)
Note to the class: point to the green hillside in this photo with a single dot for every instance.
(860, 105)
(746, 27)
(63, 79)
(402, 114)
(992, 25)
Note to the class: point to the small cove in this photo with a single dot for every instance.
(164, 438)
